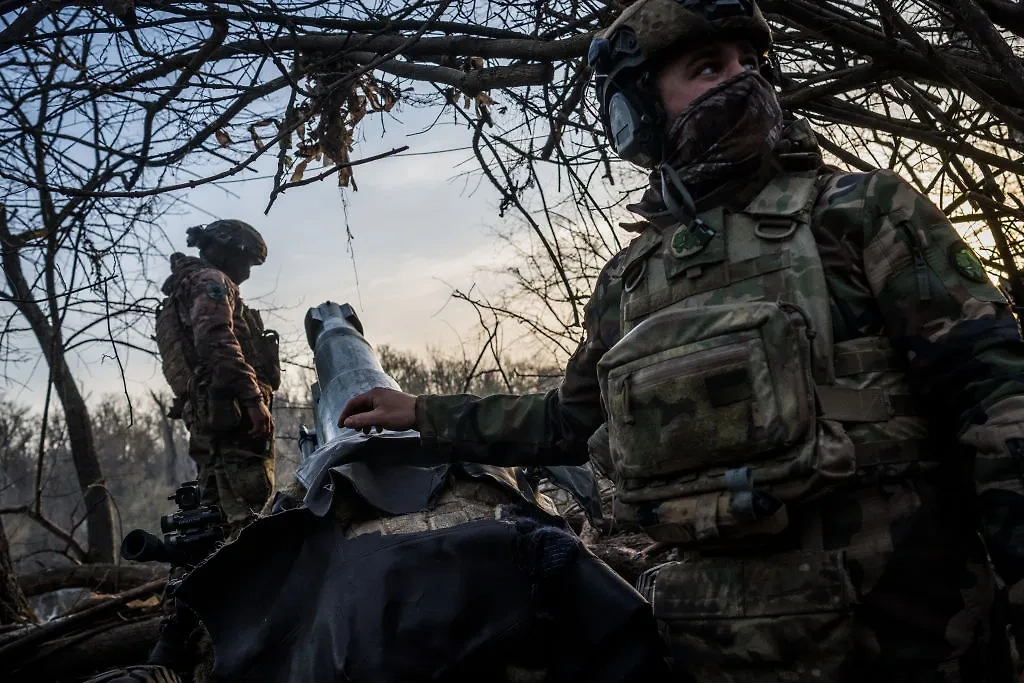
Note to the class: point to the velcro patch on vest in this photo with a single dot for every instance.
(216, 291)
(731, 386)
(691, 239)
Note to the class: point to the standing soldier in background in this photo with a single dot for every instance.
(223, 368)
(809, 385)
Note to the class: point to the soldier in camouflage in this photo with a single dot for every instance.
(222, 366)
(801, 377)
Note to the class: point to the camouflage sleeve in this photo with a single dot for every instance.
(213, 300)
(964, 346)
(538, 429)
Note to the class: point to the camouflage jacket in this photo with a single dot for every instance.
(210, 308)
(895, 267)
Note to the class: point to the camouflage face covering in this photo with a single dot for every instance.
(725, 132)
(733, 123)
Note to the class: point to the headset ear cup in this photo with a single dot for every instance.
(631, 127)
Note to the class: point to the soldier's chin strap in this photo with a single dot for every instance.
(677, 198)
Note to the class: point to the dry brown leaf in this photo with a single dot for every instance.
(151, 601)
(484, 99)
(259, 124)
(299, 169)
(222, 137)
(308, 151)
(358, 111)
(255, 137)
(371, 97)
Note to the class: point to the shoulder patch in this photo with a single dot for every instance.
(216, 291)
(966, 262)
(691, 239)
(842, 189)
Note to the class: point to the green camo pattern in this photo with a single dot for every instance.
(908, 534)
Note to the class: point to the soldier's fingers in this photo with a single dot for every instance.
(361, 421)
(357, 404)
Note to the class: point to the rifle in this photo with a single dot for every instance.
(190, 534)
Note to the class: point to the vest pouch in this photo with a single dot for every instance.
(783, 617)
(711, 387)
(260, 346)
(269, 343)
(716, 519)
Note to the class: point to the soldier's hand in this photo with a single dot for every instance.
(261, 419)
(381, 409)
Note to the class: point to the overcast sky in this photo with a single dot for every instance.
(419, 230)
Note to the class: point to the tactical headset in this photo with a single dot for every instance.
(630, 108)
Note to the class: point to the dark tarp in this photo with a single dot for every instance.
(293, 600)
(581, 483)
(392, 472)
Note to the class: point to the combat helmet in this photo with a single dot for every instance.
(626, 57)
(233, 234)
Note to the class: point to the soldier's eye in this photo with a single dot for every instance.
(706, 68)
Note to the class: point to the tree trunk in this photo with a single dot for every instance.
(170, 447)
(14, 609)
(98, 509)
(99, 516)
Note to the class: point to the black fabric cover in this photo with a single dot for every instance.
(393, 473)
(393, 489)
(292, 600)
(579, 481)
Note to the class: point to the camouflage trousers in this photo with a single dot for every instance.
(755, 620)
(864, 612)
(235, 472)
